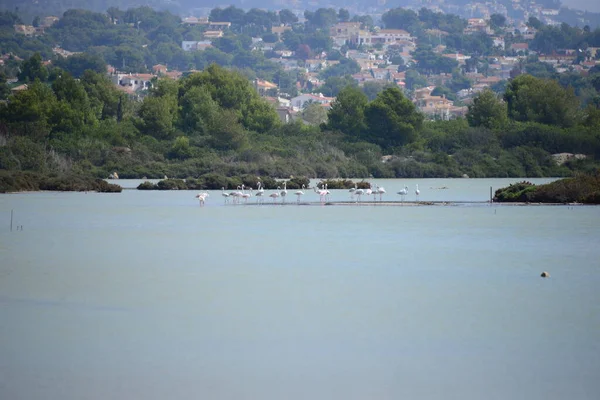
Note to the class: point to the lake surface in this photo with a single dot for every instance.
(147, 295)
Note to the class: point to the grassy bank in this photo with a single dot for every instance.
(19, 181)
(579, 189)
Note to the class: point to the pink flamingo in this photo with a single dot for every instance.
(275, 195)
(202, 197)
(245, 195)
(321, 192)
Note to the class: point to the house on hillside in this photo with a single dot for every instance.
(343, 32)
(279, 30)
(133, 82)
(159, 69)
(264, 88)
(298, 102)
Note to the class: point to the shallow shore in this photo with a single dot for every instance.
(401, 203)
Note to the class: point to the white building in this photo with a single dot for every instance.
(298, 102)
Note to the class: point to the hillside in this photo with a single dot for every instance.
(65, 114)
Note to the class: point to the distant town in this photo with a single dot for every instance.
(384, 55)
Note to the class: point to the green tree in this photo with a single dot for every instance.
(103, 95)
(414, 80)
(77, 64)
(343, 15)
(392, 119)
(534, 23)
(32, 69)
(497, 21)
(401, 18)
(314, 114)
(159, 110)
(487, 110)
(322, 18)
(347, 113)
(429, 62)
(73, 110)
(198, 111)
(227, 132)
(287, 17)
(4, 89)
(334, 84)
(346, 66)
(541, 100)
(372, 88)
(181, 148)
(29, 111)
(231, 90)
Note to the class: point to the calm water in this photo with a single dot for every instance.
(146, 295)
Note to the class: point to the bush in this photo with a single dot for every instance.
(146, 186)
(582, 188)
(171, 184)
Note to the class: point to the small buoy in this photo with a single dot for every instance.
(545, 274)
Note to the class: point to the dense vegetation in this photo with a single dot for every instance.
(17, 181)
(579, 189)
(73, 120)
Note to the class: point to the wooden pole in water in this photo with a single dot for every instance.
(11, 219)
(491, 197)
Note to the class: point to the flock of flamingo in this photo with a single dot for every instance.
(356, 194)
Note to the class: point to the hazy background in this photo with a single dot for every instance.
(588, 5)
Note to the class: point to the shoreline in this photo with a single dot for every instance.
(406, 203)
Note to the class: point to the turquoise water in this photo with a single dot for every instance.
(147, 295)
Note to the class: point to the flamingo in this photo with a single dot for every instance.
(225, 195)
(283, 192)
(327, 193)
(299, 194)
(234, 195)
(275, 195)
(358, 192)
(417, 192)
(260, 193)
(352, 192)
(403, 192)
(202, 197)
(369, 191)
(321, 192)
(380, 191)
(245, 195)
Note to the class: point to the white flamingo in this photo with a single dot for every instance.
(417, 192)
(234, 195)
(260, 192)
(358, 192)
(369, 191)
(403, 192)
(299, 194)
(352, 192)
(380, 191)
(245, 195)
(275, 195)
(202, 197)
(225, 195)
(283, 193)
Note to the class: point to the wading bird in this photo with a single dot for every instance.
(299, 194)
